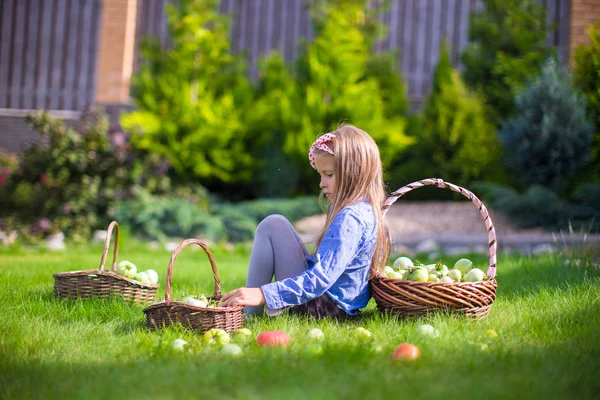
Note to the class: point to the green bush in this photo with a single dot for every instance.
(507, 46)
(336, 79)
(454, 140)
(70, 176)
(293, 209)
(549, 137)
(587, 77)
(538, 206)
(190, 97)
(239, 226)
(160, 217)
(241, 219)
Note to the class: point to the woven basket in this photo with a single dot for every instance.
(409, 298)
(100, 283)
(199, 319)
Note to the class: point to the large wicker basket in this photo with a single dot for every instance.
(409, 298)
(101, 283)
(199, 319)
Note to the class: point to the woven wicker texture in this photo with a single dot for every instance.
(101, 283)
(199, 319)
(409, 298)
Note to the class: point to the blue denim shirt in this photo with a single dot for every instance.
(339, 268)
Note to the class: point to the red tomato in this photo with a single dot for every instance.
(273, 338)
(406, 351)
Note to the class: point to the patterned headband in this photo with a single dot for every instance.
(320, 144)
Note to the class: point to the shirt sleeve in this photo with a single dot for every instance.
(339, 247)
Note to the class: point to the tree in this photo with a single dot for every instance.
(507, 46)
(549, 136)
(190, 97)
(340, 81)
(457, 140)
(587, 77)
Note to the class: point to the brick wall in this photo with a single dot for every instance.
(583, 14)
(117, 41)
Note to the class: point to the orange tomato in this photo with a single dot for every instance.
(406, 351)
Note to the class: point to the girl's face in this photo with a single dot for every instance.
(325, 168)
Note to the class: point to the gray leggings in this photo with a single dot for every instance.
(277, 252)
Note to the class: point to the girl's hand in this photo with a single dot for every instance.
(244, 297)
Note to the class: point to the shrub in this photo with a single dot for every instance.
(293, 209)
(189, 98)
(239, 226)
(587, 77)
(507, 46)
(548, 139)
(455, 141)
(71, 176)
(337, 79)
(538, 206)
(160, 217)
(241, 219)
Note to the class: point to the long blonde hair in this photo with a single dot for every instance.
(358, 176)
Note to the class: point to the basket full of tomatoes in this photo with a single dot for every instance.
(410, 289)
(197, 314)
(122, 280)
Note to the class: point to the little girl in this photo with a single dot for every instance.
(334, 281)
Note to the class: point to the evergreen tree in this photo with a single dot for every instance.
(190, 97)
(457, 139)
(587, 77)
(507, 46)
(549, 136)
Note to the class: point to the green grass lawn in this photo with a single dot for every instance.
(547, 317)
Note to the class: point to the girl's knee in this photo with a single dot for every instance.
(273, 222)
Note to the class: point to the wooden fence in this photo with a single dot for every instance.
(48, 53)
(416, 29)
(49, 48)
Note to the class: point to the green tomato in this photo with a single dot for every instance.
(395, 275)
(439, 269)
(314, 350)
(216, 336)
(446, 279)
(464, 265)
(362, 334)
(387, 269)
(315, 334)
(433, 278)
(192, 301)
(455, 274)
(474, 275)
(152, 276)
(142, 277)
(232, 350)
(126, 269)
(402, 263)
(427, 330)
(420, 274)
(243, 334)
(178, 344)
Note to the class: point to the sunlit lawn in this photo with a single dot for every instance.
(547, 317)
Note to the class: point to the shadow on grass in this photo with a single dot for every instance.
(530, 371)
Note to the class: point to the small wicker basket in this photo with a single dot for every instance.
(101, 283)
(409, 298)
(199, 319)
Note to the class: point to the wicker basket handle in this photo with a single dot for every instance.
(446, 185)
(112, 225)
(217, 293)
